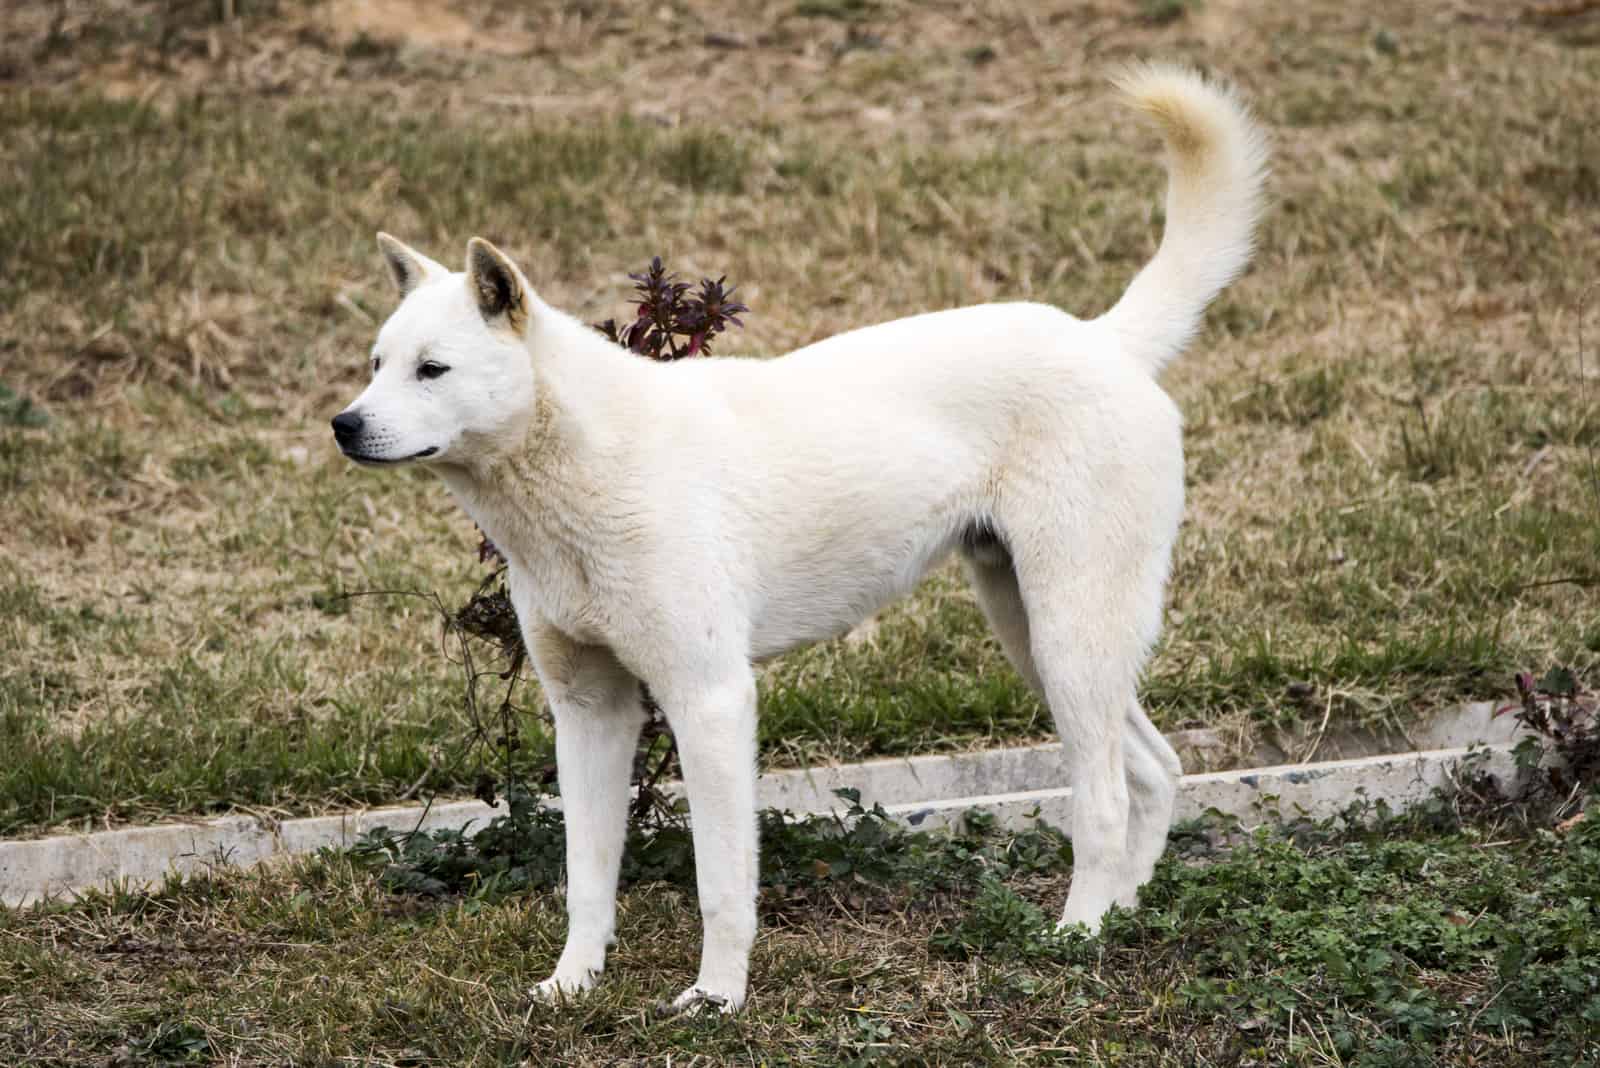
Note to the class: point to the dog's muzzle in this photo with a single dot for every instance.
(348, 428)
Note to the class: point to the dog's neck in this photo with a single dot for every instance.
(525, 491)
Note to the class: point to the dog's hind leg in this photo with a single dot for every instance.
(994, 581)
(1152, 768)
(1153, 772)
(1086, 685)
(598, 713)
(1090, 601)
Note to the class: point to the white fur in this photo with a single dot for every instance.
(673, 523)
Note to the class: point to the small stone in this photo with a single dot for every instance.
(863, 633)
(859, 41)
(1197, 738)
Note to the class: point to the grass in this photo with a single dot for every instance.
(1455, 936)
(1391, 437)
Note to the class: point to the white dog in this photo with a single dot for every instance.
(673, 523)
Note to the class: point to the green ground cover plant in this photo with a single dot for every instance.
(1462, 933)
(1392, 421)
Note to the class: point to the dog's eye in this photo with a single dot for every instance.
(377, 362)
(430, 369)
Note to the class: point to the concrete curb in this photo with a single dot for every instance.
(47, 867)
(921, 792)
(1253, 796)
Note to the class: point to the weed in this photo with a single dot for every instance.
(1161, 12)
(19, 410)
(1000, 925)
(843, 10)
(1563, 751)
(169, 1043)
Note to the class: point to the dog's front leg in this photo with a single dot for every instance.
(715, 727)
(598, 716)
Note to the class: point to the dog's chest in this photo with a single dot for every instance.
(561, 593)
(552, 577)
(555, 598)
(552, 583)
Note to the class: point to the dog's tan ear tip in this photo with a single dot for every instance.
(482, 246)
(408, 267)
(391, 244)
(498, 283)
(484, 258)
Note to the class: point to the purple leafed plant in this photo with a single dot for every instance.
(667, 313)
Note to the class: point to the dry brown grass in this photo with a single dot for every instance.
(1390, 438)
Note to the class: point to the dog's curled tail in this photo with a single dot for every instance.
(1216, 164)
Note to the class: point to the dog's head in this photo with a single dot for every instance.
(451, 372)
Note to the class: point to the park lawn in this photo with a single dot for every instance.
(1393, 419)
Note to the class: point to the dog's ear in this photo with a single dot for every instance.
(501, 293)
(409, 267)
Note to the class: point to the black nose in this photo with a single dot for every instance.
(346, 425)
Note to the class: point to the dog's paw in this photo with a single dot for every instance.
(694, 1001)
(560, 987)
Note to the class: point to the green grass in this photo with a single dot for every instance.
(1392, 430)
(1438, 939)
